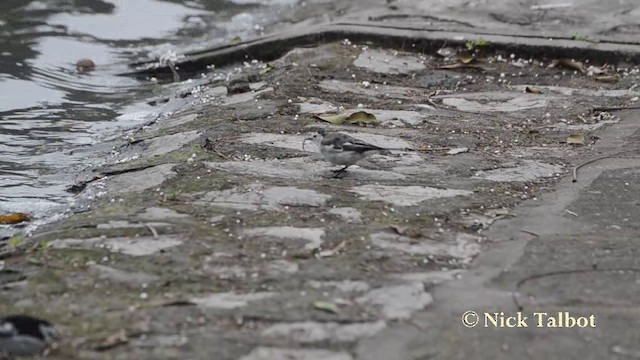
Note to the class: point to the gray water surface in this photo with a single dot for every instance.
(49, 110)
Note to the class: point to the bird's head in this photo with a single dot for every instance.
(49, 332)
(315, 138)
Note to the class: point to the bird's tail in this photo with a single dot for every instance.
(399, 149)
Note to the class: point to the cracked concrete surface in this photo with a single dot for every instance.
(219, 236)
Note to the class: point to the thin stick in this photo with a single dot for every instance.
(153, 230)
(576, 168)
(529, 232)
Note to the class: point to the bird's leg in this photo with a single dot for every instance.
(340, 172)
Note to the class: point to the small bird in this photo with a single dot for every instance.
(342, 149)
(22, 335)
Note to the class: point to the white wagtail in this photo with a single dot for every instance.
(344, 150)
(22, 335)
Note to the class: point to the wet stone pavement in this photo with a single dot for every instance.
(219, 234)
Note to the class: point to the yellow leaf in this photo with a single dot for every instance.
(334, 119)
(356, 117)
(361, 117)
(326, 306)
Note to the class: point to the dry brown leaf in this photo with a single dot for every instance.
(14, 218)
(533, 90)
(576, 139)
(571, 64)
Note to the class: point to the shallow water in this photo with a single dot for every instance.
(50, 112)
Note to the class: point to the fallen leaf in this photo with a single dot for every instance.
(14, 218)
(111, 341)
(327, 307)
(570, 64)
(607, 78)
(457, 151)
(465, 57)
(358, 117)
(334, 119)
(446, 52)
(576, 139)
(85, 65)
(411, 232)
(533, 90)
(362, 118)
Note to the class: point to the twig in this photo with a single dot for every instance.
(153, 230)
(576, 168)
(220, 154)
(514, 294)
(172, 66)
(615, 108)
(332, 252)
(208, 145)
(529, 232)
(431, 101)
(571, 212)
